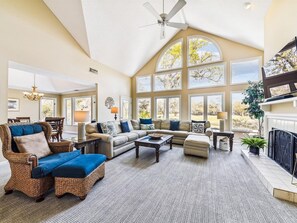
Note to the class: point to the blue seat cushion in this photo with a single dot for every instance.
(146, 121)
(49, 163)
(79, 167)
(21, 130)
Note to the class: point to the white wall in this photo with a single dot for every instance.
(32, 35)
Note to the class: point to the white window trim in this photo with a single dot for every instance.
(210, 40)
(137, 114)
(55, 105)
(168, 72)
(167, 105)
(244, 60)
(213, 86)
(141, 76)
(205, 104)
(165, 49)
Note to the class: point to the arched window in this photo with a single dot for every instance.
(171, 58)
(202, 50)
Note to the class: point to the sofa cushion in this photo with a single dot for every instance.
(146, 121)
(157, 123)
(165, 125)
(119, 140)
(174, 125)
(131, 136)
(118, 127)
(34, 143)
(147, 126)
(98, 128)
(140, 133)
(206, 124)
(135, 124)
(198, 127)
(125, 126)
(47, 164)
(20, 130)
(79, 167)
(198, 141)
(185, 126)
(182, 134)
(109, 128)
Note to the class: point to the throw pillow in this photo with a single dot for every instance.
(146, 121)
(109, 128)
(147, 126)
(125, 127)
(34, 143)
(193, 121)
(198, 127)
(99, 127)
(174, 125)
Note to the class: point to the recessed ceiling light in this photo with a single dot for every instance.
(247, 5)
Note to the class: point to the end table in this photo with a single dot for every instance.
(228, 134)
(83, 143)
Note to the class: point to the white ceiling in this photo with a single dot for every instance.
(108, 30)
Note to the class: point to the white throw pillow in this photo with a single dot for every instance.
(198, 127)
(147, 126)
(109, 128)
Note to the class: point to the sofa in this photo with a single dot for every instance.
(112, 146)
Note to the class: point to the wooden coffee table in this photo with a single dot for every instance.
(146, 141)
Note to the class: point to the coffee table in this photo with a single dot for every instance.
(146, 141)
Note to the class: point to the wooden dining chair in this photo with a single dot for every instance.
(24, 119)
(57, 124)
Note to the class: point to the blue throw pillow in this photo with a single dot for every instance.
(125, 127)
(146, 121)
(174, 125)
(99, 127)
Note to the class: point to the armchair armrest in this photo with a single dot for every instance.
(103, 137)
(208, 132)
(60, 147)
(23, 158)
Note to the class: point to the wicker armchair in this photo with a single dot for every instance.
(21, 164)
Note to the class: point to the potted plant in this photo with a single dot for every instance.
(254, 144)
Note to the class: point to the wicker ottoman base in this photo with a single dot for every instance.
(78, 186)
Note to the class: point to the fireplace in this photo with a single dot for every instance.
(282, 146)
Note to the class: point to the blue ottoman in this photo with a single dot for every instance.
(78, 175)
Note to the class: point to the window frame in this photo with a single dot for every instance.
(151, 81)
(210, 64)
(259, 58)
(137, 111)
(55, 105)
(167, 72)
(167, 105)
(164, 50)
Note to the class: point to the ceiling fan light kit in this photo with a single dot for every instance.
(163, 18)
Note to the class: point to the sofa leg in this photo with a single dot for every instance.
(82, 197)
(60, 196)
(39, 198)
(8, 192)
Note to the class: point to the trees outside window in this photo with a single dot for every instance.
(167, 108)
(68, 111)
(47, 108)
(168, 81)
(143, 107)
(143, 84)
(171, 58)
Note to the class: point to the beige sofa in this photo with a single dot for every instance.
(114, 146)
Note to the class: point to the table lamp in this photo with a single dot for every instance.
(222, 116)
(81, 117)
(114, 110)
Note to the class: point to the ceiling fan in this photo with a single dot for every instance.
(163, 18)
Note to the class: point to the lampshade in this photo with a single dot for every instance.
(222, 115)
(114, 110)
(81, 116)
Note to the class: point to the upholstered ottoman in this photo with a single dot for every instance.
(78, 175)
(197, 145)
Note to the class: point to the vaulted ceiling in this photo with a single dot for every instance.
(108, 30)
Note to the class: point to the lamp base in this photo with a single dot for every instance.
(81, 131)
(222, 125)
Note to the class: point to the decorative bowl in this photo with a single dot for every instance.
(155, 136)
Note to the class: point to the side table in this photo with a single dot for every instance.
(83, 143)
(228, 134)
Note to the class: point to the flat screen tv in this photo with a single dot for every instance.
(280, 73)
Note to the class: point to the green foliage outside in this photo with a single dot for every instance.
(144, 108)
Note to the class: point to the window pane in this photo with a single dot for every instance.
(68, 111)
(197, 108)
(125, 109)
(47, 108)
(143, 84)
(207, 76)
(245, 71)
(173, 106)
(214, 105)
(240, 118)
(201, 51)
(167, 81)
(144, 107)
(172, 58)
(84, 104)
(161, 108)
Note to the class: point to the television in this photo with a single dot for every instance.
(280, 73)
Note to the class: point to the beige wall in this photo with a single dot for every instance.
(280, 26)
(32, 35)
(230, 51)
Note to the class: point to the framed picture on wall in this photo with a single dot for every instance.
(13, 104)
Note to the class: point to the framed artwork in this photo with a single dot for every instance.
(125, 107)
(13, 104)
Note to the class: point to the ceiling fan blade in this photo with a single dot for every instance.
(178, 25)
(162, 34)
(149, 7)
(178, 6)
(144, 26)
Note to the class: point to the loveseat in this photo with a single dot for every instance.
(112, 146)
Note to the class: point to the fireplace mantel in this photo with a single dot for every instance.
(266, 106)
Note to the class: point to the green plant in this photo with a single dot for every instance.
(255, 142)
(254, 95)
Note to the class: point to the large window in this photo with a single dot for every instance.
(143, 107)
(171, 58)
(205, 107)
(143, 84)
(167, 108)
(47, 107)
(240, 118)
(245, 70)
(168, 81)
(68, 111)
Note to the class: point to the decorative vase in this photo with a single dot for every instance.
(255, 150)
